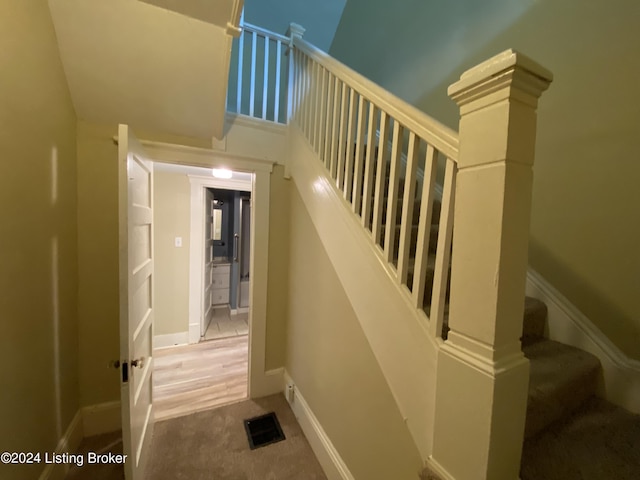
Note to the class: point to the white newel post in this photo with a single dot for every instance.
(293, 31)
(483, 376)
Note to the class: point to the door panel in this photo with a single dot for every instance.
(135, 186)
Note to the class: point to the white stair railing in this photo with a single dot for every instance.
(482, 375)
(258, 75)
(386, 158)
(368, 138)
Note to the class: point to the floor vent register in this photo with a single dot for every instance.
(263, 430)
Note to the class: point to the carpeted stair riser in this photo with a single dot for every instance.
(561, 379)
(535, 314)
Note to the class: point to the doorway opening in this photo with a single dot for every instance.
(202, 227)
(227, 263)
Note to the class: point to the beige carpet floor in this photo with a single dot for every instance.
(109, 442)
(598, 442)
(213, 445)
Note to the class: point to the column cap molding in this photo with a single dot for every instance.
(295, 30)
(509, 68)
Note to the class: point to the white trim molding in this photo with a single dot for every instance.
(170, 339)
(101, 418)
(569, 325)
(197, 319)
(257, 123)
(329, 458)
(261, 382)
(69, 443)
(236, 311)
(204, 157)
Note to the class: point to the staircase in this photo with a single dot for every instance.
(397, 171)
(562, 390)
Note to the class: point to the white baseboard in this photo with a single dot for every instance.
(236, 311)
(329, 458)
(170, 339)
(568, 325)
(69, 443)
(101, 418)
(438, 469)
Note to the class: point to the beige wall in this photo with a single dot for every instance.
(333, 366)
(38, 276)
(171, 216)
(98, 262)
(277, 286)
(584, 230)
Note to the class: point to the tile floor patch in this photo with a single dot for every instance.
(263, 430)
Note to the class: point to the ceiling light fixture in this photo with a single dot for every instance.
(222, 173)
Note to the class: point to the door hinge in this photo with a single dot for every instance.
(125, 372)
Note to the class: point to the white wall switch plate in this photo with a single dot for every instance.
(178, 241)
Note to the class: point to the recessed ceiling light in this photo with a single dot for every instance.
(221, 173)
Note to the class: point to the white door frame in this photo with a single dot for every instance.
(196, 245)
(261, 381)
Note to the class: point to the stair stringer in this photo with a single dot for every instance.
(397, 333)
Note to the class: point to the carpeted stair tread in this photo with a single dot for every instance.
(561, 379)
(599, 441)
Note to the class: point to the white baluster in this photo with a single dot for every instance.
(276, 104)
(443, 251)
(327, 124)
(348, 161)
(369, 166)
(378, 196)
(322, 100)
(342, 138)
(240, 61)
(335, 128)
(392, 199)
(424, 228)
(252, 92)
(359, 160)
(407, 207)
(265, 79)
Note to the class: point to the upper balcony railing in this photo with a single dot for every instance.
(258, 75)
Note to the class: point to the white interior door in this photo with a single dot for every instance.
(135, 174)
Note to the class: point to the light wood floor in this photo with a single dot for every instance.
(224, 325)
(192, 378)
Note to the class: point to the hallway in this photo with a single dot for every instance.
(191, 378)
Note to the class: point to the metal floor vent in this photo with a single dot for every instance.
(263, 430)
